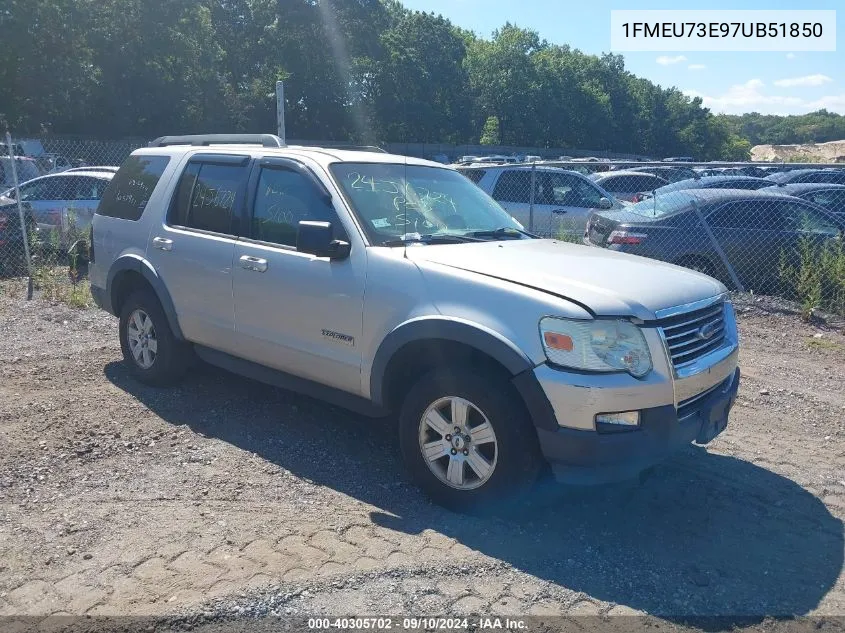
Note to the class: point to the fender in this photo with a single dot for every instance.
(481, 338)
(138, 264)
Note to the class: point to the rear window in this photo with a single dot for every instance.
(661, 205)
(131, 188)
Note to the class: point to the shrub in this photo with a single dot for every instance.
(817, 279)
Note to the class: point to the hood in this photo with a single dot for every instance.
(605, 282)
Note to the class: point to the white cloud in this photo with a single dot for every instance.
(807, 80)
(666, 60)
(790, 55)
(696, 67)
(751, 96)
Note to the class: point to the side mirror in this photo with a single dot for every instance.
(317, 238)
(605, 203)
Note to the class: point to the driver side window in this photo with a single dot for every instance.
(282, 200)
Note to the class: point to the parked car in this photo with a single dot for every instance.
(832, 176)
(17, 149)
(497, 160)
(64, 204)
(563, 200)
(752, 228)
(497, 352)
(679, 159)
(830, 197)
(753, 170)
(12, 251)
(672, 174)
(25, 168)
(708, 182)
(720, 171)
(625, 185)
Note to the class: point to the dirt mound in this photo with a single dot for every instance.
(830, 152)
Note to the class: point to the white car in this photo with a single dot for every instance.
(563, 200)
(64, 204)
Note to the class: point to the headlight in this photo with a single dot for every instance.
(600, 345)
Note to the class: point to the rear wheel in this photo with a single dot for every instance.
(466, 439)
(151, 351)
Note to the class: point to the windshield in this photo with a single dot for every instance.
(661, 205)
(393, 201)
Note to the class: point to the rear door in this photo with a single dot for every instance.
(192, 249)
(513, 192)
(566, 200)
(748, 233)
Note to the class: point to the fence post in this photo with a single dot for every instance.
(715, 243)
(21, 216)
(531, 199)
(280, 110)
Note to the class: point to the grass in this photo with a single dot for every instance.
(817, 279)
(823, 343)
(569, 231)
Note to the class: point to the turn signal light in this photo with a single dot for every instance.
(557, 341)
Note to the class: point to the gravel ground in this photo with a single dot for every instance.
(225, 497)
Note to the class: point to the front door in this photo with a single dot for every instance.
(296, 312)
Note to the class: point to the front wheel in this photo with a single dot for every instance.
(466, 439)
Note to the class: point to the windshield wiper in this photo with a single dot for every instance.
(432, 238)
(506, 232)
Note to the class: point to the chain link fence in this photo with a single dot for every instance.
(766, 228)
(49, 190)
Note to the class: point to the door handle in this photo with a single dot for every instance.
(559, 211)
(253, 263)
(163, 244)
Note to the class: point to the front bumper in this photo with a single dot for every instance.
(588, 457)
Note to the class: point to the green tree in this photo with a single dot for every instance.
(490, 133)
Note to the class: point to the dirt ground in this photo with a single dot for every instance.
(225, 496)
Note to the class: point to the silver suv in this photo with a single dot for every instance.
(393, 285)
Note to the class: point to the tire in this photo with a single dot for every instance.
(513, 454)
(166, 361)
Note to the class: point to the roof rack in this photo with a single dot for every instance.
(265, 140)
(340, 145)
(363, 148)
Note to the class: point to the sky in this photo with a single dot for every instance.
(728, 82)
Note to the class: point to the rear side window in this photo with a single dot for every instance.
(209, 196)
(130, 189)
(831, 199)
(748, 215)
(513, 186)
(474, 175)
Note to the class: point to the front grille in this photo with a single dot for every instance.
(683, 333)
